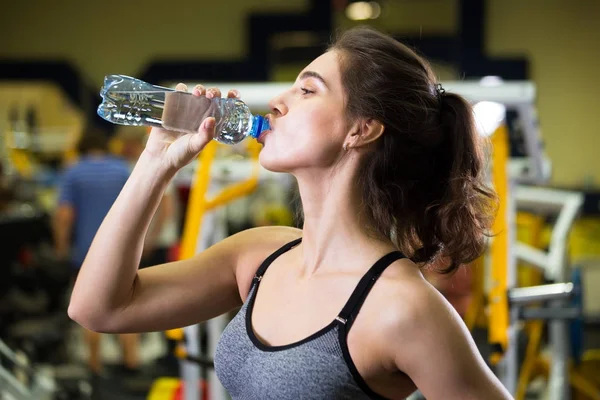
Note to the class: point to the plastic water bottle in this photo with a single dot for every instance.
(130, 101)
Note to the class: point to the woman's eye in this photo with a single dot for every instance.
(306, 91)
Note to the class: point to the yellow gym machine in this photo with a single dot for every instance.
(503, 301)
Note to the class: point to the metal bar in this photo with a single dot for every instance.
(532, 255)
(257, 95)
(511, 376)
(36, 386)
(216, 326)
(535, 150)
(559, 339)
(546, 200)
(553, 313)
(534, 294)
(202, 361)
(558, 382)
(190, 370)
(510, 363)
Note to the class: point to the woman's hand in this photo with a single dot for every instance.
(176, 149)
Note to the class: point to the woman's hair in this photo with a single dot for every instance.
(423, 185)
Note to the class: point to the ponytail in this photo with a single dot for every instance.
(423, 185)
(465, 210)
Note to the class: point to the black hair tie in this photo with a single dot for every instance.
(440, 91)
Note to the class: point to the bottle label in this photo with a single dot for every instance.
(184, 112)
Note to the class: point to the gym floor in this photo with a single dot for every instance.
(116, 383)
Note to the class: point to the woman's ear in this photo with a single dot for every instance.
(368, 132)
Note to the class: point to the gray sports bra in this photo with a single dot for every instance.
(317, 367)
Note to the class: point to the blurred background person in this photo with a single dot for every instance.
(87, 191)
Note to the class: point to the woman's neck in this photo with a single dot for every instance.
(334, 232)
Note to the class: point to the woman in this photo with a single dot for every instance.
(385, 162)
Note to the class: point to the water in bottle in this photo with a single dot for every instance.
(130, 101)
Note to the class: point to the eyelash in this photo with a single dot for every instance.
(306, 91)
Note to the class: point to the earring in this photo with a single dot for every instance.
(345, 146)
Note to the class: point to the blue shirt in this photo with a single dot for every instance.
(91, 187)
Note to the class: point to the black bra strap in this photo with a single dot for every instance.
(363, 288)
(263, 267)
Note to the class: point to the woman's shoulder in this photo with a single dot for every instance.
(412, 298)
(410, 308)
(254, 245)
(422, 335)
(267, 237)
(259, 243)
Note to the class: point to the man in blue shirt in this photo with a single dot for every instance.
(87, 192)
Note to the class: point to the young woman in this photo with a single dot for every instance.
(389, 169)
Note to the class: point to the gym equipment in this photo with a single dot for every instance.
(33, 286)
(576, 327)
(504, 251)
(565, 206)
(562, 307)
(19, 381)
(518, 159)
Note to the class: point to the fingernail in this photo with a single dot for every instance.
(209, 123)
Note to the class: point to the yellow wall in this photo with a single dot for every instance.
(60, 122)
(409, 17)
(50, 102)
(561, 38)
(116, 36)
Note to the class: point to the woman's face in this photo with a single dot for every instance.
(308, 123)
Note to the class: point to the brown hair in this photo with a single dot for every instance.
(423, 185)
(92, 139)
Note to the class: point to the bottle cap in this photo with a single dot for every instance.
(259, 125)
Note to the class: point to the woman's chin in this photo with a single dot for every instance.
(272, 167)
(271, 163)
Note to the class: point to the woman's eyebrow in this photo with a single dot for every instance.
(313, 74)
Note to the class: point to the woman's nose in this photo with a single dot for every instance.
(278, 106)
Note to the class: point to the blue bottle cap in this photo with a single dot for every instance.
(259, 125)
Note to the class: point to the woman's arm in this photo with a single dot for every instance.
(106, 280)
(110, 295)
(164, 213)
(185, 292)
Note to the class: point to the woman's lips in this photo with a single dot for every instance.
(262, 135)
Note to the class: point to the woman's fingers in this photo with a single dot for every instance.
(205, 134)
(199, 90)
(213, 92)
